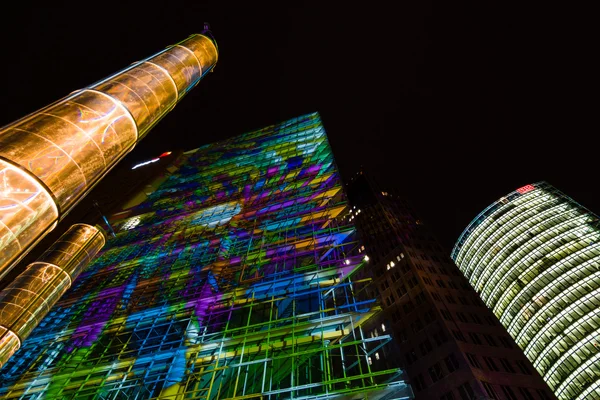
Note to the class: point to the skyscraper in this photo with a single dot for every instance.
(450, 343)
(534, 258)
(233, 279)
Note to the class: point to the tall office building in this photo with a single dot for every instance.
(450, 343)
(534, 258)
(232, 279)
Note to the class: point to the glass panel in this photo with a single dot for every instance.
(9, 344)
(70, 145)
(26, 212)
(204, 50)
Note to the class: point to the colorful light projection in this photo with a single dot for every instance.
(230, 281)
(50, 159)
(534, 258)
(30, 296)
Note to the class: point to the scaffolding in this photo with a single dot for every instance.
(233, 280)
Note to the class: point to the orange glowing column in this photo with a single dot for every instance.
(29, 298)
(50, 159)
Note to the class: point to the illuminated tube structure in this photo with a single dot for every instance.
(32, 294)
(50, 159)
(534, 258)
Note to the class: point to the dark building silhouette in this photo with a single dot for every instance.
(449, 343)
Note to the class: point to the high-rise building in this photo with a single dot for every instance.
(232, 279)
(450, 344)
(534, 258)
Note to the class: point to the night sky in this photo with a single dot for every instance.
(455, 104)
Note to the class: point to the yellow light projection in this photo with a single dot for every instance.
(30, 297)
(50, 159)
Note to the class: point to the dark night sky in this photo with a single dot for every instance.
(456, 103)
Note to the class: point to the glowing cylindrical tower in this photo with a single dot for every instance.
(50, 159)
(534, 258)
(30, 296)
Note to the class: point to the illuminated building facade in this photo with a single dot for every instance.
(233, 279)
(534, 258)
(449, 343)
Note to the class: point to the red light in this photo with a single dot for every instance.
(525, 189)
(166, 153)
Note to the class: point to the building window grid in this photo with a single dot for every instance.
(541, 346)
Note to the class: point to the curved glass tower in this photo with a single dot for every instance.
(534, 258)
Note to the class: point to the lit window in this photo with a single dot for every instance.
(388, 266)
(377, 356)
(347, 262)
(370, 361)
(131, 223)
(366, 257)
(383, 327)
(392, 264)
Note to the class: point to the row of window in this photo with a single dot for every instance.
(509, 393)
(493, 366)
(462, 317)
(476, 339)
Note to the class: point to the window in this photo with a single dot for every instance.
(436, 296)
(450, 299)
(446, 315)
(490, 340)
(490, 363)
(459, 336)
(476, 319)
(408, 307)
(436, 372)
(420, 298)
(428, 316)
(505, 342)
(526, 394)
(401, 290)
(390, 300)
(490, 320)
(523, 367)
(473, 360)
(425, 347)
(474, 338)
(412, 282)
(439, 337)
(543, 395)
(466, 391)
(419, 383)
(462, 317)
(508, 393)
(463, 301)
(401, 333)
(416, 326)
(448, 396)
(451, 363)
(410, 356)
(452, 285)
(507, 366)
(440, 283)
(489, 390)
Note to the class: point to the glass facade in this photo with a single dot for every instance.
(534, 258)
(50, 159)
(232, 280)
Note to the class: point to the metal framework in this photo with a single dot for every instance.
(233, 280)
(534, 258)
